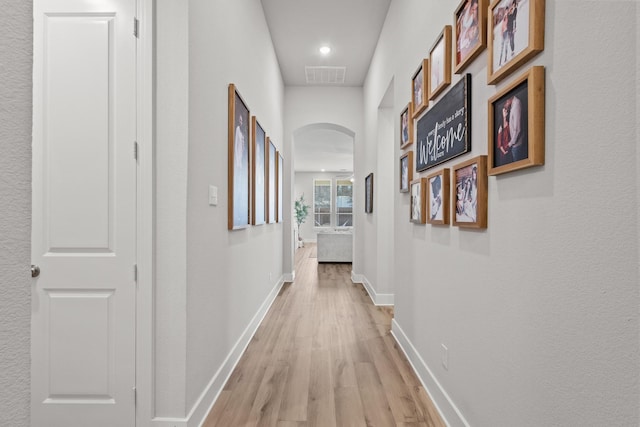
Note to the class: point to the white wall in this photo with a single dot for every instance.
(539, 311)
(305, 106)
(303, 184)
(16, 56)
(207, 297)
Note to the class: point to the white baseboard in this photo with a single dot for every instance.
(289, 277)
(442, 401)
(378, 299)
(210, 394)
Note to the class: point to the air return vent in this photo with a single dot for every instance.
(325, 75)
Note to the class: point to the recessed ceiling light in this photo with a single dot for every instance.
(325, 50)
(321, 170)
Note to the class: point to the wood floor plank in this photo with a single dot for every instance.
(323, 356)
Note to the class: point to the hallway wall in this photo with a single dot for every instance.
(216, 280)
(16, 58)
(540, 311)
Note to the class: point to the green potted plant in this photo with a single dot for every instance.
(302, 211)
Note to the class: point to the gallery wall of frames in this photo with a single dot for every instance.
(435, 126)
(255, 169)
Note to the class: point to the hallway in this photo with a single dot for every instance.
(323, 356)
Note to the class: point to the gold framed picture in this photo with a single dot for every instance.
(516, 124)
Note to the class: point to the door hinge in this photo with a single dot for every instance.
(135, 150)
(136, 24)
(135, 396)
(135, 272)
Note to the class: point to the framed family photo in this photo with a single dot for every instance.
(516, 124)
(406, 171)
(420, 88)
(368, 193)
(469, 206)
(470, 25)
(440, 63)
(271, 185)
(258, 168)
(417, 211)
(438, 198)
(515, 34)
(406, 126)
(238, 165)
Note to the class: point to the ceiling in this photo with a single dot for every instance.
(299, 28)
(350, 27)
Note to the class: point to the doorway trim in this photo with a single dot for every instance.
(145, 360)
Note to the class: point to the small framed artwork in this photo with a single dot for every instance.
(258, 168)
(438, 198)
(368, 193)
(279, 185)
(406, 126)
(440, 63)
(406, 171)
(420, 88)
(515, 34)
(516, 124)
(271, 188)
(470, 24)
(417, 209)
(238, 168)
(469, 206)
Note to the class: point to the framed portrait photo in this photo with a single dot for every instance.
(470, 28)
(516, 124)
(469, 198)
(258, 168)
(420, 88)
(368, 193)
(417, 211)
(406, 171)
(271, 186)
(239, 185)
(515, 34)
(440, 63)
(406, 126)
(279, 185)
(438, 198)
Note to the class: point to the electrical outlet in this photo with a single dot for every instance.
(445, 357)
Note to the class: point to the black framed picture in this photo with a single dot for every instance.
(368, 193)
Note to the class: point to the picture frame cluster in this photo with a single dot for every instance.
(512, 32)
(255, 169)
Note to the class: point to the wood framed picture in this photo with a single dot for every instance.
(438, 197)
(271, 186)
(258, 169)
(417, 211)
(516, 124)
(515, 34)
(368, 193)
(420, 88)
(406, 126)
(470, 25)
(406, 171)
(238, 167)
(279, 185)
(440, 63)
(469, 201)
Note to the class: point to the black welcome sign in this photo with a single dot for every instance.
(444, 132)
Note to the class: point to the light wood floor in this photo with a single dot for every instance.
(323, 356)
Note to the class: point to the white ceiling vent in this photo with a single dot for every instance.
(325, 75)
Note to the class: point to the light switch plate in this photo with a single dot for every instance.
(213, 195)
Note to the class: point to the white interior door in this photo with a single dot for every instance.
(84, 213)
